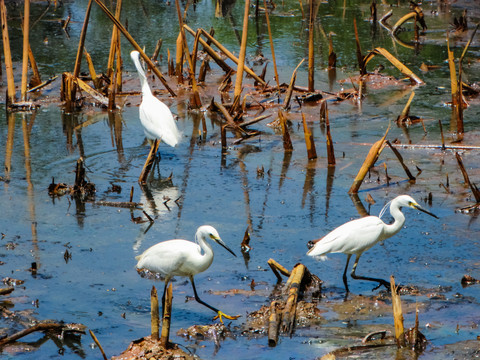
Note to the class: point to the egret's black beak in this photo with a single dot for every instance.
(219, 241)
(418, 207)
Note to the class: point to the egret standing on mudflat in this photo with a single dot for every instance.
(156, 118)
(357, 236)
(184, 258)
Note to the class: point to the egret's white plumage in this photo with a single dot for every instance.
(357, 236)
(156, 118)
(184, 258)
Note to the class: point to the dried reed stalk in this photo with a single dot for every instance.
(154, 317)
(360, 59)
(271, 44)
(309, 142)
(273, 325)
(35, 80)
(8, 55)
(212, 53)
(289, 312)
(397, 314)
(370, 160)
(167, 317)
(287, 142)
(472, 186)
(113, 43)
(136, 46)
(397, 63)
(26, 46)
(288, 96)
(196, 102)
(400, 159)
(226, 52)
(179, 58)
(149, 162)
(311, 52)
(330, 150)
(241, 60)
(98, 344)
(277, 269)
(91, 69)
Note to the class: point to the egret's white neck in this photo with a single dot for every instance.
(143, 78)
(396, 226)
(204, 245)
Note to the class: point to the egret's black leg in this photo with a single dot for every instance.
(220, 314)
(200, 300)
(345, 273)
(357, 277)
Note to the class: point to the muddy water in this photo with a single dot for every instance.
(294, 201)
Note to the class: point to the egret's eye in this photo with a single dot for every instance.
(212, 236)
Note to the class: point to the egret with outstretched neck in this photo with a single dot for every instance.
(357, 236)
(184, 258)
(156, 118)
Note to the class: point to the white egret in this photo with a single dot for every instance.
(184, 258)
(357, 236)
(156, 118)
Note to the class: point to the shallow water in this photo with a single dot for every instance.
(295, 201)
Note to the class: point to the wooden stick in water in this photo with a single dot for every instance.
(149, 162)
(167, 315)
(273, 325)
(311, 151)
(241, 60)
(397, 314)
(8, 55)
(154, 313)
(26, 47)
(370, 160)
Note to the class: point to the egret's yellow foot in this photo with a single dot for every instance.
(221, 314)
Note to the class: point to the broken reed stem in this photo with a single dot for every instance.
(196, 103)
(42, 326)
(213, 54)
(397, 314)
(223, 49)
(154, 317)
(370, 160)
(289, 312)
(98, 344)
(35, 80)
(26, 46)
(361, 62)
(473, 187)
(330, 150)
(241, 60)
(149, 162)
(167, 317)
(136, 46)
(277, 269)
(179, 59)
(309, 142)
(287, 141)
(113, 43)
(441, 133)
(8, 55)
(400, 158)
(271, 44)
(406, 109)
(81, 42)
(273, 325)
(288, 96)
(311, 52)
